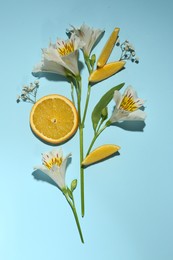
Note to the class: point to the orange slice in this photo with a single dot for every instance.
(54, 119)
(100, 153)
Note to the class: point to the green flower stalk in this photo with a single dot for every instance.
(54, 165)
(88, 37)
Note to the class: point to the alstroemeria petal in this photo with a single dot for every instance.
(88, 36)
(41, 168)
(58, 176)
(49, 66)
(51, 53)
(58, 173)
(137, 115)
(53, 174)
(130, 102)
(131, 92)
(118, 114)
(69, 46)
(117, 98)
(55, 153)
(64, 164)
(70, 62)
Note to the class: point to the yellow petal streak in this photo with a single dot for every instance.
(65, 48)
(107, 71)
(100, 153)
(53, 161)
(104, 56)
(128, 104)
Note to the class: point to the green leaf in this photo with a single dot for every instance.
(104, 101)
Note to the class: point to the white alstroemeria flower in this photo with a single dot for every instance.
(54, 165)
(61, 57)
(87, 35)
(127, 106)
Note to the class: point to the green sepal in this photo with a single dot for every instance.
(70, 193)
(73, 185)
(102, 104)
(64, 190)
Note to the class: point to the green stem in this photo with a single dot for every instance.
(90, 70)
(78, 93)
(98, 127)
(78, 224)
(78, 82)
(81, 127)
(95, 137)
(72, 205)
(92, 143)
(72, 92)
(86, 104)
(82, 171)
(87, 62)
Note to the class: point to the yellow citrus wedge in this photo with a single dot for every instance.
(107, 71)
(54, 119)
(100, 153)
(104, 56)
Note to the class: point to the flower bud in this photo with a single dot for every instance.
(104, 113)
(93, 60)
(73, 185)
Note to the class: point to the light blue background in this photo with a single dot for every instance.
(129, 198)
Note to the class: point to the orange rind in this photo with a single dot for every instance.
(54, 119)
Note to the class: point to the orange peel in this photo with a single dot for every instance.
(54, 119)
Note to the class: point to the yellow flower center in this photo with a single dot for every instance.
(53, 161)
(128, 104)
(66, 48)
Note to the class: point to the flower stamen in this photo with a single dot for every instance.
(53, 161)
(128, 103)
(65, 48)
